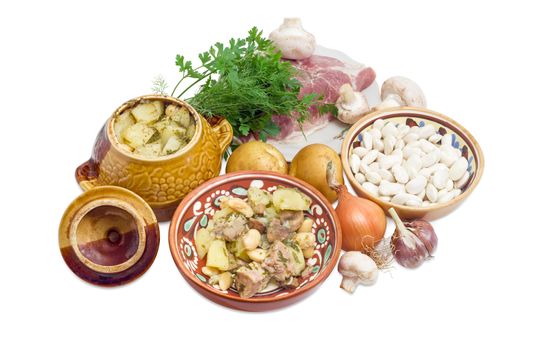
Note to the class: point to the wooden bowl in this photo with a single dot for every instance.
(108, 236)
(198, 207)
(162, 181)
(461, 139)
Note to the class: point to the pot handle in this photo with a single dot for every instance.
(224, 133)
(83, 176)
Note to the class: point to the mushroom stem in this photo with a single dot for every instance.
(349, 283)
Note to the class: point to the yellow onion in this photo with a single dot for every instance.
(363, 222)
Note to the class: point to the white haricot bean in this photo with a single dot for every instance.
(378, 124)
(389, 130)
(413, 166)
(373, 177)
(427, 146)
(374, 166)
(416, 185)
(430, 158)
(462, 181)
(387, 188)
(370, 157)
(400, 174)
(360, 178)
(440, 178)
(426, 131)
(403, 130)
(363, 168)
(355, 163)
(409, 151)
(385, 175)
(376, 134)
(378, 145)
(410, 138)
(432, 193)
(415, 162)
(458, 169)
(435, 138)
(370, 187)
(367, 140)
(360, 151)
(449, 185)
(387, 162)
(400, 144)
(388, 144)
(446, 140)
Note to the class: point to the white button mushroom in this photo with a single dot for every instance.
(404, 89)
(292, 40)
(356, 267)
(351, 105)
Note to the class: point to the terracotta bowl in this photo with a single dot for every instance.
(198, 207)
(163, 181)
(461, 139)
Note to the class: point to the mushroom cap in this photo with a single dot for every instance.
(357, 264)
(351, 105)
(292, 40)
(409, 91)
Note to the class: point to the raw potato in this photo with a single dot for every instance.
(257, 155)
(217, 255)
(202, 241)
(310, 164)
(290, 199)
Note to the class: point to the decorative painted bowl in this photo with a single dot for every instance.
(163, 181)
(461, 139)
(198, 207)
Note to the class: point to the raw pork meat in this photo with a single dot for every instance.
(323, 75)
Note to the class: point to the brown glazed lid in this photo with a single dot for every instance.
(109, 236)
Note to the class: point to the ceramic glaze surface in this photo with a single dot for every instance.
(461, 140)
(162, 182)
(199, 207)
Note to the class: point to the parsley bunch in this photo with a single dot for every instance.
(247, 83)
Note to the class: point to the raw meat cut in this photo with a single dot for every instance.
(322, 75)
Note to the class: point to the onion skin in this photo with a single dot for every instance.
(425, 232)
(363, 222)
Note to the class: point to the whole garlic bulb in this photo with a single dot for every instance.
(292, 40)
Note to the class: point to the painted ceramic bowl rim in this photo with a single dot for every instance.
(133, 102)
(322, 275)
(424, 113)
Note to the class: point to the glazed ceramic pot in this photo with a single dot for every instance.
(198, 207)
(461, 139)
(162, 182)
(108, 236)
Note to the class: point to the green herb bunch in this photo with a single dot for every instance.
(247, 83)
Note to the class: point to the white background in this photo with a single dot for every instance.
(66, 66)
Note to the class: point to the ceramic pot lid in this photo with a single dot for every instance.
(109, 236)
